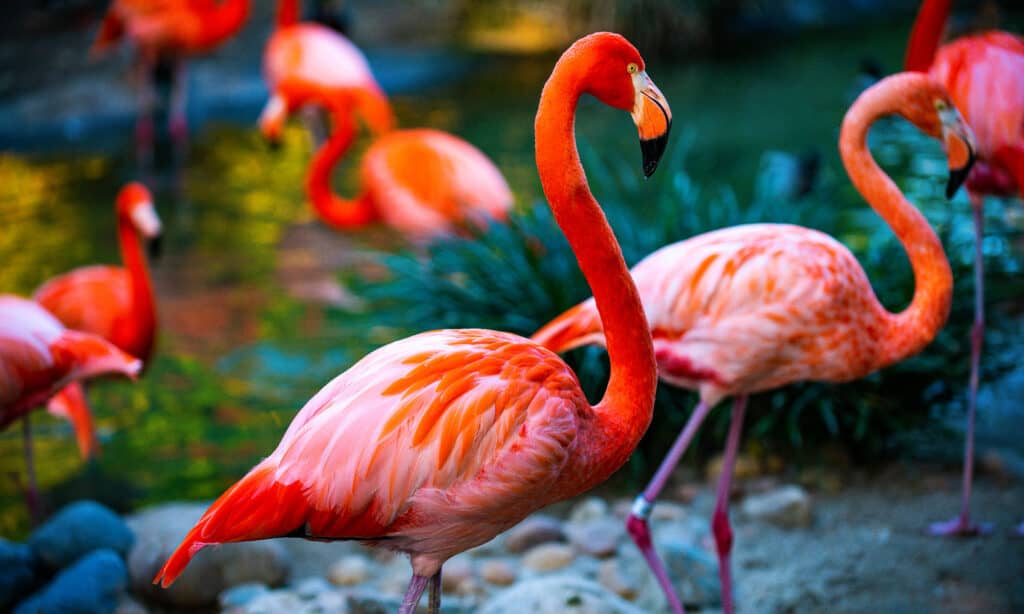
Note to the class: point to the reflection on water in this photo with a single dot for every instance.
(243, 290)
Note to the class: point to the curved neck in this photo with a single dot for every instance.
(225, 20)
(287, 13)
(143, 304)
(926, 35)
(332, 208)
(907, 332)
(625, 411)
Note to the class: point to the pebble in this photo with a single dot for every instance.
(535, 530)
(309, 588)
(599, 537)
(349, 571)
(559, 594)
(455, 572)
(498, 572)
(128, 605)
(20, 573)
(238, 596)
(79, 529)
(693, 570)
(590, 508)
(746, 467)
(548, 557)
(92, 585)
(787, 507)
(623, 580)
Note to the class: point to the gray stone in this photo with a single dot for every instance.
(498, 572)
(622, 579)
(598, 537)
(456, 571)
(693, 570)
(311, 587)
(92, 585)
(273, 602)
(787, 507)
(349, 571)
(590, 508)
(241, 594)
(559, 594)
(20, 574)
(128, 605)
(160, 529)
(548, 557)
(535, 530)
(78, 529)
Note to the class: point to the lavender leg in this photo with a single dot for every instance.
(413, 594)
(961, 526)
(435, 594)
(178, 121)
(636, 523)
(144, 131)
(720, 518)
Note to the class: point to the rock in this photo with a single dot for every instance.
(623, 580)
(349, 571)
(599, 537)
(311, 587)
(535, 530)
(241, 594)
(78, 529)
(92, 585)
(560, 594)
(128, 605)
(746, 467)
(693, 570)
(787, 507)
(274, 602)
(590, 508)
(20, 575)
(455, 572)
(364, 602)
(548, 557)
(160, 529)
(498, 572)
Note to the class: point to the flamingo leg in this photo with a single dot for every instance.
(435, 594)
(144, 131)
(316, 122)
(178, 120)
(413, 594)
(32, 492)
(637, 524)
(720, 518)
(961, 526)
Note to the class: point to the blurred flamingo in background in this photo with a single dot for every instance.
(438, 442)
(754, 307)
(984, 74)
(422, 182)
(113, 302)
(38, 357)
(167, 31)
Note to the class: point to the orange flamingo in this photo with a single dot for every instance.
(112, 302)
(168, 31)
(38, 357)
(984, 74)
(755, 307)
(422, 182)
(438, 442)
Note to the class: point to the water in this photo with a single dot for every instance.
(243, 339)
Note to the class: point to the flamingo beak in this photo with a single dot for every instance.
(653, 119)
(958, 141)
(147, 222)
(272, 120)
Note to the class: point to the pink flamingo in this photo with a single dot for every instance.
(113, 302)
(984, 74)
(38, 357)
(168, 30)
(755, 307)
(438, 442)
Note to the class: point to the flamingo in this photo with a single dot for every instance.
(167, 31)
(38, 357)
(754, 307)
(113, 302)
(423, 182)
(438, 442)
(984, 74)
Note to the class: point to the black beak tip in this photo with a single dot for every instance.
(958, 176)
(652, 150)
(155, 247)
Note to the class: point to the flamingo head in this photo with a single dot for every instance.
(614, 73)
(272, 119)
(930, 108)
(136, 204)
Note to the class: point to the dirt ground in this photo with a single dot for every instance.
(867, 551)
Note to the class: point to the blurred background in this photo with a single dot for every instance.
(260, 305)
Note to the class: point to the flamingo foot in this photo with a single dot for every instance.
(638, 529)
(961, 526)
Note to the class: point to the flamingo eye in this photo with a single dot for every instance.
(940, 106)
(632, 68)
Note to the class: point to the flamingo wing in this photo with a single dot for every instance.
(95, 299)
(455, 424)
(425, 181)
